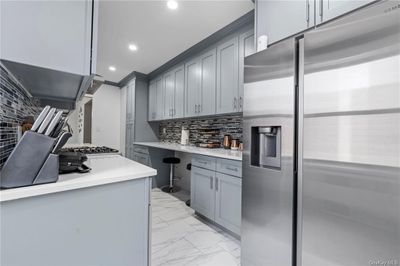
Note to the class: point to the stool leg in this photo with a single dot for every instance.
(171, 177)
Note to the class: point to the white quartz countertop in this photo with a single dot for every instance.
(219, 153)
(106, 169)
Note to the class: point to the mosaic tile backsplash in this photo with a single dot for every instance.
(15, 105)
(202, 129)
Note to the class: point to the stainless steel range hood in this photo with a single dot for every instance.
(52, 87)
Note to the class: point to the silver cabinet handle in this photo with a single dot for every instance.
(199, 108)
(241, 103)
(211, 182)
(321, 8)
(308, 11)
(195, 108)
(232, 168)
(234, 103)
(216, 184)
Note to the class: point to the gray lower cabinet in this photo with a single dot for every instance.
(228, 76)
(216, 190)
(202, 191)
(100, 225)
(228, 201)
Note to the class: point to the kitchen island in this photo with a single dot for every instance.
(98, 218)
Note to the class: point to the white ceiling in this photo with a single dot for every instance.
(160, 33)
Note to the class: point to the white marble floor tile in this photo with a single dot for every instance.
(181, 238)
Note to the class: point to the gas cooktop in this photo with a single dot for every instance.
(91, 150)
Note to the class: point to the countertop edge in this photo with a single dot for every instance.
(72, 184)
(196, 150)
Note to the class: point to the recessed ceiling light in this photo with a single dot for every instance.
(132, 47)
(112, 68)
(172, 4)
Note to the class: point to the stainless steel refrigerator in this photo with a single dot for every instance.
(321, 165)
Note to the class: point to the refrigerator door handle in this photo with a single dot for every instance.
(321, 8)
(300, 113)
(211, 182)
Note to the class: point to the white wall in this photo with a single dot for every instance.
(73, 121)
(106, 117)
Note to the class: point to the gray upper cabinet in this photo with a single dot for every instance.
(169, 92)
(152, 101)
(179, 99)
(59, 35)
(281, 19)
(246, 48)
(228, 201)
(200, 85)
(174, 93)
(228, 76)
(206, 104)
(209, 83)
(159, 98)
(329, 9)
(192, 87)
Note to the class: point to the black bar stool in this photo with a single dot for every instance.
(170, 188)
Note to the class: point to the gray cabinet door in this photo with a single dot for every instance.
(191, 87)
(246, 48)
(152, 101)
(160, 99)
(202, 194)
(207, 63)
(169, 94)
(228, 202)
(129, 139)
(281, 19)
(49, 34)
(329, 9)
(129, 102)
(228, 76)
(178, 109)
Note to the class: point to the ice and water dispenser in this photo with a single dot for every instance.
(266, 146)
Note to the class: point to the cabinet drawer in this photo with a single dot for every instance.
(142, 158)
(140, 149)
(229, 167)
(204, 162)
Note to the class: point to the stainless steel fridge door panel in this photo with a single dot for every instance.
(351, 143)
(267, 192)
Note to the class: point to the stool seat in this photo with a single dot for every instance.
(171, 160)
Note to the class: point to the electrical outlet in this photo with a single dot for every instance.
(164, 130)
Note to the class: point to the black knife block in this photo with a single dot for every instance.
(31, 162)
